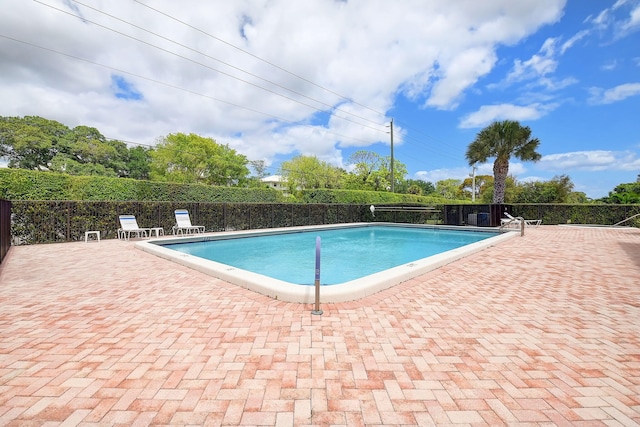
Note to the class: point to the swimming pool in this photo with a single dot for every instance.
(346, 253)
(388, 269)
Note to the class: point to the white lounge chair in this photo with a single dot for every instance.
(513, 221)
(183, 223)
(129, 226)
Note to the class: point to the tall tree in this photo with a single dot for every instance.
(416, 186)
(501, 140)
(510, 190)
(307, 172)
(138, 163)
(557, 190)
(449, 188)
(399, 171)
(624, 194)
(259, 168)
(365, 171)
(193, 158)
(30, 142)
(85, 151)
(370, 171)
(483, 182)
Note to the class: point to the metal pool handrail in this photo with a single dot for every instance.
(625, 220)
(518, 218)
(429, 209)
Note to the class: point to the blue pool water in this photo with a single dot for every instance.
(346, 253)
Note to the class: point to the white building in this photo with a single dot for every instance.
(275, 181)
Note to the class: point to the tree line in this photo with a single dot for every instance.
(36, 143)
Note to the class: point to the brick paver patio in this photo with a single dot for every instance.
(540, 330)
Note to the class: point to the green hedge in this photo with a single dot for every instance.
(598, 214)
(368, 197)
(21, 184)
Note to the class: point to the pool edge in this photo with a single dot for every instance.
(348, 291)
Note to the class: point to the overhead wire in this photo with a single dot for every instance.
(175, 87)
(416, 143)
(208, 66)
(228, 64)
(173, 18)
(406, 137)
(258, 57)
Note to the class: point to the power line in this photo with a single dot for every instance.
(258, 57)
(421, 145)
(407, 138)
(222, 62)
(175, 87)
(207, 66)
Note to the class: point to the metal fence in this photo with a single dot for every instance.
(64, 221)
(30, 222)
(5, 228)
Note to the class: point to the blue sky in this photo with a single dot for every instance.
(575, 83)
(274, 79)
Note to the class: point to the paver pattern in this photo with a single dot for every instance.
(539, 330)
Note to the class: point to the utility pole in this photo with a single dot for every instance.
(393, 181)
(473, 185)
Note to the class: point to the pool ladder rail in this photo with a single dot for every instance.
(626, 219)
(427, 209)
(514, 220)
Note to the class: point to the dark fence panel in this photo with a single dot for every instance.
(5, 228)
(62, 221)
(576, 214)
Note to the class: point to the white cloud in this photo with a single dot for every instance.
(369, 52)
(617, 20)
(620, 3)
(490, 113)
(601, 21)
(581, 166)
(461, 72)
(532, 179)
(436, 175)
(633, 23)
(573, 40)
(615, 94)
(539, 65)
(537, 72)
(597, 160)
(515, 168)
(553, 85)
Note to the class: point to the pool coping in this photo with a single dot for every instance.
(343, 292)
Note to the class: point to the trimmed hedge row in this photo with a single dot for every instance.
(578, 214)
(370, 197)
(42, 210)
(21, 184)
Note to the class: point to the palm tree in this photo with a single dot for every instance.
(503, 140)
